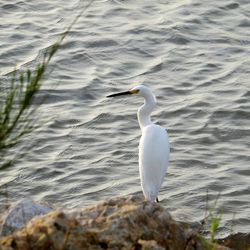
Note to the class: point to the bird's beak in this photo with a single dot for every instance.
(121, 93)
(129, 92)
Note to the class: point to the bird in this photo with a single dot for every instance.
(154, 147)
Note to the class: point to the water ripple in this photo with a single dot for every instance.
(195, 57)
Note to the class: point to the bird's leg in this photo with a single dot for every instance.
(157, 200)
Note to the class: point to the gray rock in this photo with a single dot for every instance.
(19, 214)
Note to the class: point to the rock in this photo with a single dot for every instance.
(238, 241)
(122, 223)
(18, 215)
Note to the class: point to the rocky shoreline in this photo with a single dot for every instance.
(126, 222)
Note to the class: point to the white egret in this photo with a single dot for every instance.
(153, 147)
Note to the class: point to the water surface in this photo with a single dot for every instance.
(194, 55)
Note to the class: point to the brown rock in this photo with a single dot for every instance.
(122, 223)
(238, 241)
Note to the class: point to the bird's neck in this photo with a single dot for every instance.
(145, 110)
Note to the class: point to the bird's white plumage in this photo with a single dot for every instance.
(153, 159)
(153, 147)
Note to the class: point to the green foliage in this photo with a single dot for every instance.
(213, 218)
(214, 224)
(16, 100)
(17, 96)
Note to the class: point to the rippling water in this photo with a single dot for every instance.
(195, 55)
